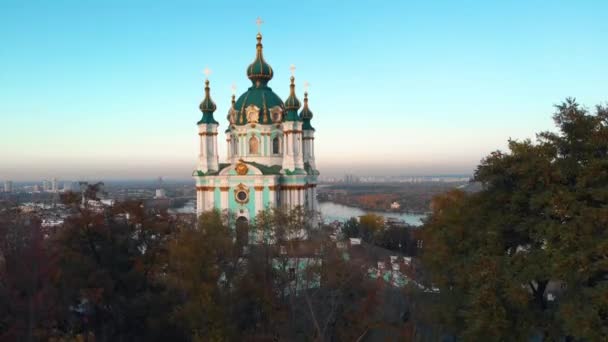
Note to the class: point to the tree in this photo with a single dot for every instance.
(202, 268)
(540, 219)
(351, 228)
(372, 226)
(28, 306)
(112, 265)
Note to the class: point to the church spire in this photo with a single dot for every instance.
(306, 114)
(207, 106)
(259, 72)
(292, 104)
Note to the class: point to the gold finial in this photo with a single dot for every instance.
(207, 72)
(259, 23)
(306, 85)
(207, 88)
(233, 87)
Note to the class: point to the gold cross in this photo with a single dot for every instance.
(207, 72)
(259, 22)
(306, 85)
(233, 88)
(293, 69)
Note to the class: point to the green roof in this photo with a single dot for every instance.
(221, 166)
(262, 97)
(266, 170)
(306, 115)
(207, 106)
(259, 70)
(292, 102)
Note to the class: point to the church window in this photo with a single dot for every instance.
(254, 146)
(276, 144)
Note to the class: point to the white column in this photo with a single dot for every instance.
(224, 198)
(258, 199)
(200, 202)
(203, 164)
(272, 197)
(302, 199)
(216, 155)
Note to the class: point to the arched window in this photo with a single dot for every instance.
(276, 146)
(254, 146)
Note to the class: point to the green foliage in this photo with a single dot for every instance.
(200, 261)
(541, 221)
(351, 228)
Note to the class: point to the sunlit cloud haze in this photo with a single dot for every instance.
(111, 89)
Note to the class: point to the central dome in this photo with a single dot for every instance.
(259, 70)
(259, 104)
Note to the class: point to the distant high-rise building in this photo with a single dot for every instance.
(67, 186)
(349, 179)
(160, 193)
(46, 185)
(54, 185)
(36, 188)
(8, 186)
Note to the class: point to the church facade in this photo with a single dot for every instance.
(270, 159)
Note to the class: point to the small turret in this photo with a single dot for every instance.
(207, 107)
(306, 115)
(292, 104)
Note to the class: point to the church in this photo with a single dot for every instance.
(270, 159)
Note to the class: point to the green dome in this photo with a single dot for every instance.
(306, 115)
(259, 94)
(207, 107)
(261, 97)
(259, 70)
(292, 102)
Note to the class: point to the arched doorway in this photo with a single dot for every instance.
(242, 231)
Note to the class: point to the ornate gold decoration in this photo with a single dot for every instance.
(241, 193)
(258, 187)
(276, 113)
(224, 188)
(241, 168)
(253, 113)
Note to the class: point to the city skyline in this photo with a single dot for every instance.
(399, 89)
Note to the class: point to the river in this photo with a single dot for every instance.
(333, 212)
(337, 212)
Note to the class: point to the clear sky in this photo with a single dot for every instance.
(110, 89)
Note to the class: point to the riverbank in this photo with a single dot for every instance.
(331, 211)
(378, 210)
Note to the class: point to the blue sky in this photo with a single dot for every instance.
(110, 89)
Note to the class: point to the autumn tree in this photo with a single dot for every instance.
(203, 261)
(28, 305)
(539, 222)
(112, 264)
